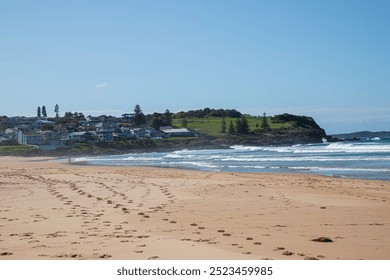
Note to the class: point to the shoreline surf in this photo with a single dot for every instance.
(364, 160)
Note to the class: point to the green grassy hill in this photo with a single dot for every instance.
(282, 129)
(212, 125)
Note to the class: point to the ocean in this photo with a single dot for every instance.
(368, 159)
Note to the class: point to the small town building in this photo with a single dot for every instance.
(39, 124)
(177, 132)
(30, 138)
(83, 136)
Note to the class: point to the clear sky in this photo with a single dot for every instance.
(327, 59)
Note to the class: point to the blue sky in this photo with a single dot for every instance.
(326, 59)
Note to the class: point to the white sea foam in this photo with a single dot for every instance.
(246, 148)
(81, 159)
(365, 159)
(247, 166)
(141, 158)
(173, 155)
(338, 169)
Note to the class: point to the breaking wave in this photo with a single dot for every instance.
(364, 159)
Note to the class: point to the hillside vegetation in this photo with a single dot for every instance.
(261, 130)
(211, 128)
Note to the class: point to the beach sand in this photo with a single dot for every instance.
(51, 210)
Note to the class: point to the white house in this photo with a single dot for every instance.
(177, 132)
(127, 133)
(105, 135)
(138, 132)
(80, 136)
(30, 138)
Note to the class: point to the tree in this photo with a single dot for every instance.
(264, 123)
(223, 126)
(44, 114)
(156, 122)
(167, 118)
(68, 115)
(56, 110)
(231, 129)
(139, 117)
(39, 112)
(242, 125)
(184, 122)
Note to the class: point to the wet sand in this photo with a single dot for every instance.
(51, 210)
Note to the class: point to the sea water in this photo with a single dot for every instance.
(369, 159)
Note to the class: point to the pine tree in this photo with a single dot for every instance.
(242, 125)
(231, 129)
(264, 123)
(223, 126)
(139, 117)
(56, 110)
(44, 113)
(167, 118)
(39, 112)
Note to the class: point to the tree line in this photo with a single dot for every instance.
(43, 113)
(241, 125)
(207, 112)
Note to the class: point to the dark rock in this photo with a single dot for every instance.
(310, 258)
(322, 239)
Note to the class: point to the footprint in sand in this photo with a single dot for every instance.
(153, 258)
(143, 236)
(56, 234)
(279, 249)
(6, 254)
(310, 258)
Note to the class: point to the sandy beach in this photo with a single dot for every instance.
(52, 210)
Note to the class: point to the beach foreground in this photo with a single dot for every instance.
(50, 210)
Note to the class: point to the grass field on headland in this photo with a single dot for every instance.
(212, 125)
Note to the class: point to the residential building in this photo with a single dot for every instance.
(178, 132)
(30, 138)
(39, 124)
